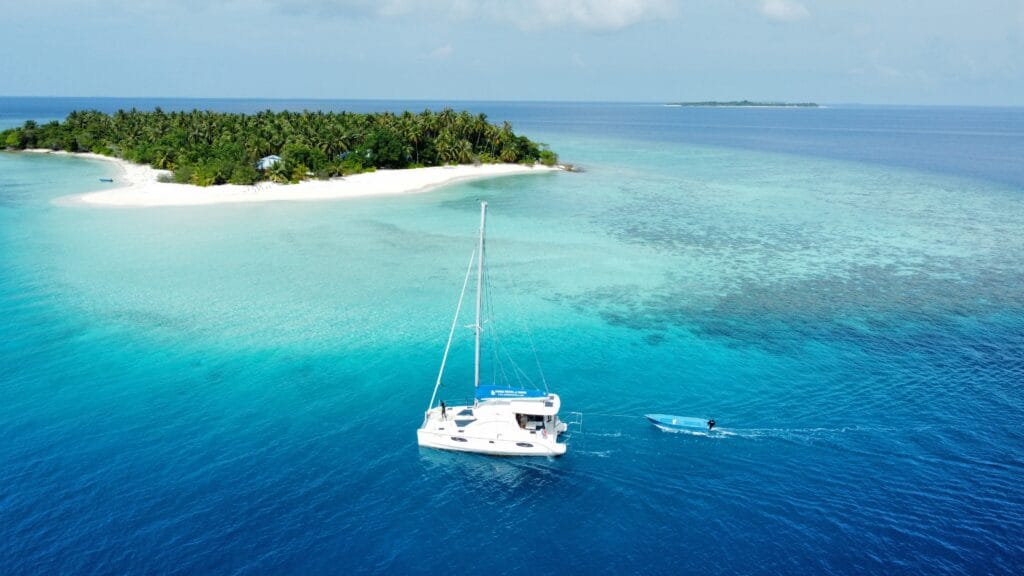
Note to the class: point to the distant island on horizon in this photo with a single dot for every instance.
(743, 104)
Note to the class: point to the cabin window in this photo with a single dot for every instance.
(530, 421)
(457, 439)
(524, 444)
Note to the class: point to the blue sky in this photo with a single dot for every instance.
(832, 51)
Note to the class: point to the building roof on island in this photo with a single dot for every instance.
(268, 161)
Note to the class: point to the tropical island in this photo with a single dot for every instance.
(205, 148)
(743, 104)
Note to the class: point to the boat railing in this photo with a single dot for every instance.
(573, 420)
(464, 401)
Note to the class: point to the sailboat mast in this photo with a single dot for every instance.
(479, 293)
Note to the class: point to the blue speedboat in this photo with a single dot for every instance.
(681, 423)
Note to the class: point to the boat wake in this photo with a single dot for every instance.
(788, 434)
(716, 433)
(602, 434)
(597, 453)
(806, 433)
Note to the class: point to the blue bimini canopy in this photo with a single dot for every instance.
(492, 392)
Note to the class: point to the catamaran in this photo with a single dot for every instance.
(503, 420)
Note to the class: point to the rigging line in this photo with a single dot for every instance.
(516, 371)
(495, 362)
(524, 375)
(498, 348)
(536, 359)
(498, 365)
(529, 335)
(492, 333)
(519, 373)
(451, 333)
(522, 378)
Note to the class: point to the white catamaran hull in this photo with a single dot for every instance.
(492, 447)
(495, 435)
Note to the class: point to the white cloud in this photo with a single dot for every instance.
(590, 14)
(529, 14)
(340, 8)
(442, 52)
(784, 10)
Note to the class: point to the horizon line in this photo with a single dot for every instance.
(513, 101)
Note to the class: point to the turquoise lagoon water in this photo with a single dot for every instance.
(235, 389)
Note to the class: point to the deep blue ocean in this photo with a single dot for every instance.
(235, 389)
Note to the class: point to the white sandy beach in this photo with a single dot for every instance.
(137, 185)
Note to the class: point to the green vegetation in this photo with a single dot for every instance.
(746, 103)
(208, 148)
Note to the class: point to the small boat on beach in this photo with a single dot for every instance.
(503, 419)
(106, 179)
(681, 423)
